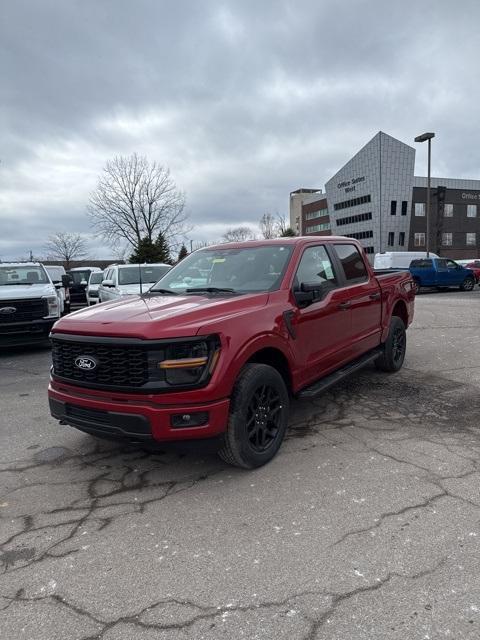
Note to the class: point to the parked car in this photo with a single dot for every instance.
(398, 259)
(125, 279)
(78, 285)
(274, 319)
(440, 273)
(29, 303)
(60, 280)
(94, 282)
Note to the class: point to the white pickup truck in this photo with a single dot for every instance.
(29, 303)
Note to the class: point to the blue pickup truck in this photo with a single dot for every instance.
(440, 273)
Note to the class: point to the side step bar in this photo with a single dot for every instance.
(324, 383)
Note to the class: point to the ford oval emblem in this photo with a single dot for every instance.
(86, 363)
(7, 310)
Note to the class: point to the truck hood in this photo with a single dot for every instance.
(156, 317)
(25, 291)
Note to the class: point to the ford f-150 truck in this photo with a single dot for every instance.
(29, 303)
(441, 272)
(263, 321)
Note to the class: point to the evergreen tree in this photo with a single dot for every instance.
(162, 250)
(145, 252)
(288, 233)
(148, 251)
(183, 253)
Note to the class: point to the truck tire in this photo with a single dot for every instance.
(467, 285)
(394, 347)
(258, 417)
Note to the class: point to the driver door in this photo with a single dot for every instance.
(322, 327)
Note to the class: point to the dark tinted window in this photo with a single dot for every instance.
(421, 264)
(404, 207)
(401, 238)
(393, 207)
(352, 262)
(391, 238)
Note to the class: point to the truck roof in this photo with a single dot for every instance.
(20, 264)
(280, 241)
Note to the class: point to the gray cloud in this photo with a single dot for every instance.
(243, 101)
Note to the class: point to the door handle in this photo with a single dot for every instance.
(344, 305)
(374, 296)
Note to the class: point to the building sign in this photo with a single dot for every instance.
(470, 196)
(349, 185)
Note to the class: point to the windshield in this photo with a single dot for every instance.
(96, 277)
(245, 270)
(23, 274)
(131, 275)
(79, 276)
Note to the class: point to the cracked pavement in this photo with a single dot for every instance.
(366, 525)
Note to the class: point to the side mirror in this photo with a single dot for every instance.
(107, 283)
(66, 281)
(58, 285)
(312, 291)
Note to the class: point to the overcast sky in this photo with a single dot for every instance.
(244, 100)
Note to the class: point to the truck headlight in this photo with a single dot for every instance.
(185, 362)
(53, 307)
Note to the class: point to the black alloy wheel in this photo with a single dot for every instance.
(263, 418)
(258, 417)
(394, 348)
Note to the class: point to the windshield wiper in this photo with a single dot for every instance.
(166, 292)
(210, 290)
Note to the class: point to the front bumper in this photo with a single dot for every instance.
(20, 333)
(142, 420)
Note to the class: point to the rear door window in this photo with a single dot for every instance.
(352, 263)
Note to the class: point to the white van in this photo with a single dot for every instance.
(398, 259)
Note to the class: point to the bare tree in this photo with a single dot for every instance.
(238, 234)
(282, 225)
(66, 247)
(268, 226)
(137, 199)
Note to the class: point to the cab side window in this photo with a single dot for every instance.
(451, 264)
(315, 268)
(352, 262)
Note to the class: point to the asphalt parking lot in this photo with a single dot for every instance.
(366, 525)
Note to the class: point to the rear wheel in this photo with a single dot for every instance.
(468, 284)
(258, 417)
(394, 348)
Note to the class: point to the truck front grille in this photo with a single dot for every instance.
(117, 365)
(22, 310)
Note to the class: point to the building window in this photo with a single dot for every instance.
(393, 208)
(369, 249)
(316, 214)
(391, 238)
(360, 235)
(471, 210)
(420, 208)
(447, 239)
(401, 238)
(404, 207)
(317, 227)
(471, 239)
(360, 217)
(352, 203)
(448, 210)
(419, 240)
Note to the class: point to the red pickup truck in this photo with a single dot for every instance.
(222, 342)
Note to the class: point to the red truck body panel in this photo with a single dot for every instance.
(307, 342)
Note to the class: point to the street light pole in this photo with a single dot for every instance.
(424, 138)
